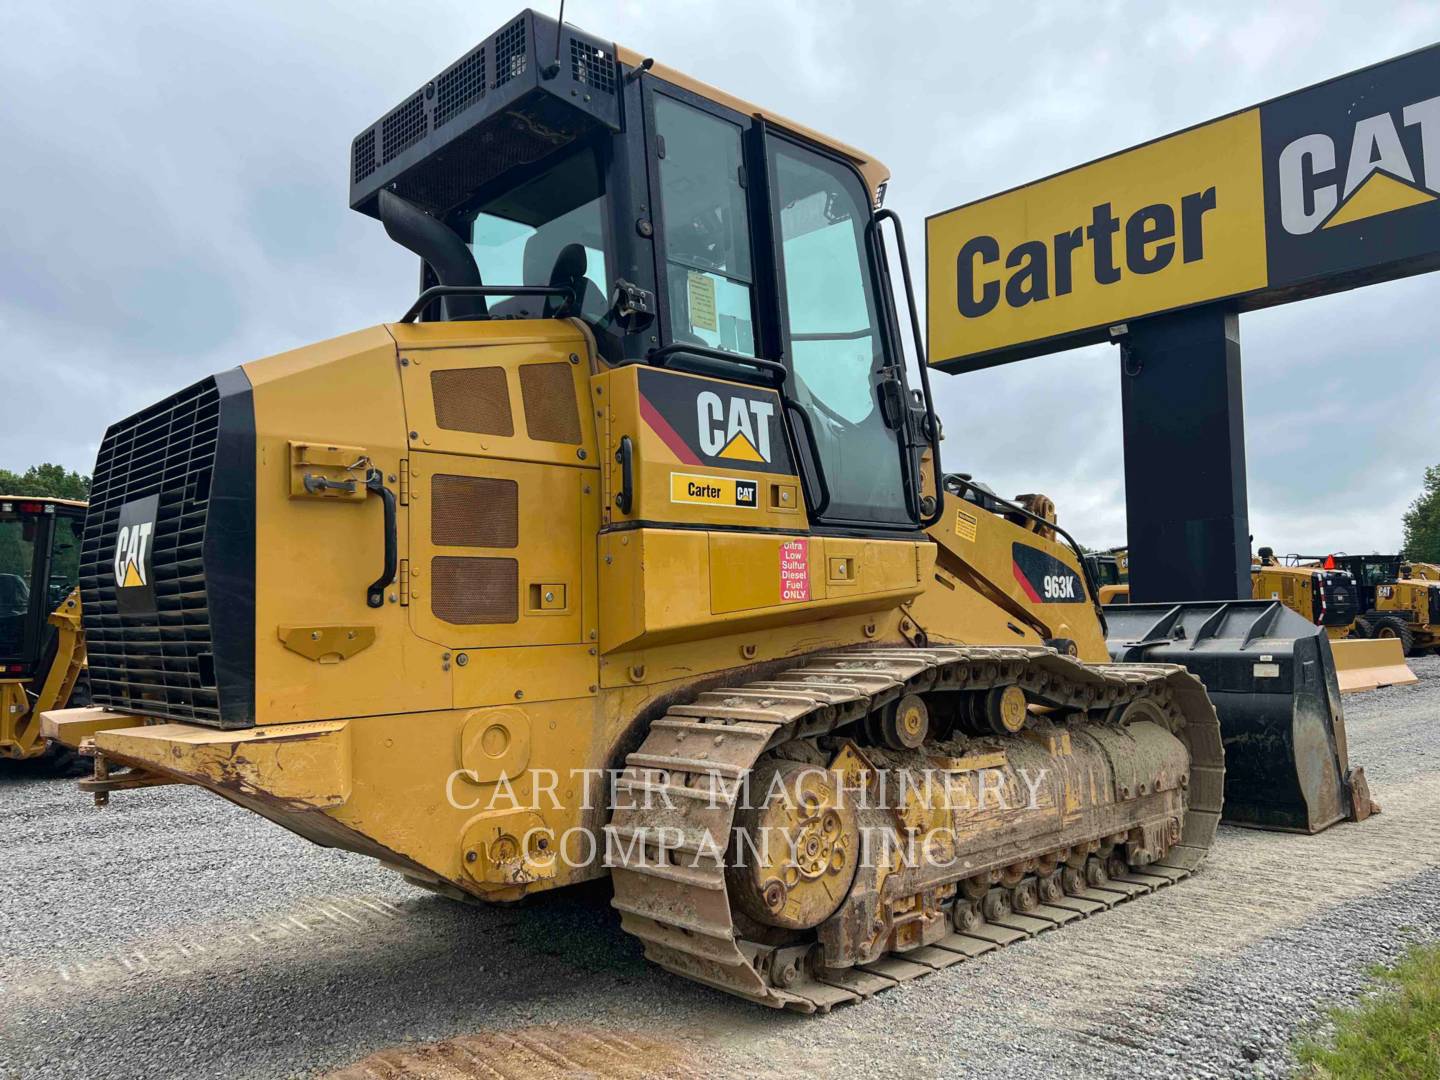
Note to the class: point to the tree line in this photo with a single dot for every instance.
(1421, 521)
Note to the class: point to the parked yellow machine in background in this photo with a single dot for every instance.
(1329, 596)
(605, 572)
(1324, 595)
(42, 649)
(1399, 601)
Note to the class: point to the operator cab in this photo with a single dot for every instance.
(39, 566)
(684, 227)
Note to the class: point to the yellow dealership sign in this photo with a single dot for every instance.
(1306, 194)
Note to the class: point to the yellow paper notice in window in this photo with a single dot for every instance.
(701, 288)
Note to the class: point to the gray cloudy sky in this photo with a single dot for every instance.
(174, 201)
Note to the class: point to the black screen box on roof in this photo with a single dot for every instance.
(490, 111)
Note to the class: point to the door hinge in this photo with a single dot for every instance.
(404, 580)
(404, 481)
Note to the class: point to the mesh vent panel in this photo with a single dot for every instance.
(459, 86)
(404, 126)
(363, 156)
(473, 399)
(548, 391)
(591, 66)
(475, 511)
(510, 53)
(468, 591)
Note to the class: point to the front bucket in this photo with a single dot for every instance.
(1370, 663)
(1271, 676)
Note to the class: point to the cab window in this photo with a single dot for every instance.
(17, 560)
(708, 275)
(518, 237)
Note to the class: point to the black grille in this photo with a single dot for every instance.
(459, 86)
(591, 66)
(363, 156)
(165, 663)
(510, 55)
(404, 127)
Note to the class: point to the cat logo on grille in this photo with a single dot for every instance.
(134, 555)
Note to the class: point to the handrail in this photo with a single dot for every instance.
(932, 423)
(661, 358)
(437, 292)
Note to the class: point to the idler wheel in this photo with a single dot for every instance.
(1005, 709)
(904, 724)
(793, 856)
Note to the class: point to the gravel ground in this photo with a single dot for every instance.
(181, 936)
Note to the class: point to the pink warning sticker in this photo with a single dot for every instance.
(794, 571)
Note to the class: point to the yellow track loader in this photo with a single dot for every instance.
(42, 650)
(628, 551)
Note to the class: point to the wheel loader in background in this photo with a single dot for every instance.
(42, 650)
(1399, 600)
(1319, 590)
(629, 544)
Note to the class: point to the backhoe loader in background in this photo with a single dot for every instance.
(628, 551)
(42, 650)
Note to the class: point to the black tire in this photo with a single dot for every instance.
(60, 761)
(1362, 628)
(1391, 626)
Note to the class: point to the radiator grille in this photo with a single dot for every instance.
(404, 127)
(459, 86)
(548, 393)
(472, 399)
(161, 664)
(469, 591)
(475, 511)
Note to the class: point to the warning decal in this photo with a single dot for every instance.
(965, 523)
(794, 571)
(700, 289)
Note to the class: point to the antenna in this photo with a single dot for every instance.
(553, 68)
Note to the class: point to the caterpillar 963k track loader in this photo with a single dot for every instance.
(640, 483)
(42, 651)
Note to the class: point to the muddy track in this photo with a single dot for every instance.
(685, 781)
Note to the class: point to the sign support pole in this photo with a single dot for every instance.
(1187, 515)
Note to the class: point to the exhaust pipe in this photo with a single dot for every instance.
(433, 241)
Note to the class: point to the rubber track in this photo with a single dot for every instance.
(681, 911)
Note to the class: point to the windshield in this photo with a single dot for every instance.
(17, 559)
(518, 238)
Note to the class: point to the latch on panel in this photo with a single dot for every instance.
(322, 471)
